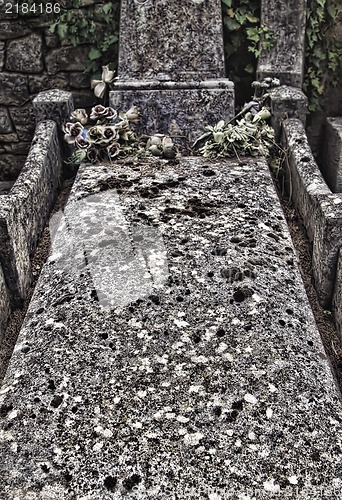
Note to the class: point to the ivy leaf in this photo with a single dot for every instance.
(228, 3)
(94, 54)
(231, 24)
(249, 68)
(106, 9)
(252, 19)
(62, 30)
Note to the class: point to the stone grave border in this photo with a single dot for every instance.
(25, 210)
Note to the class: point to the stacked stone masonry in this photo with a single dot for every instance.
(32, 59)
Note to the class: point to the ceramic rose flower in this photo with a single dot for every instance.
(72, 131)
(79, 115)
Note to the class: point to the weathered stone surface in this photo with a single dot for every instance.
(84, 99)
(5, 121)
(9, 137)
(18, 148)
(12, 29)
(80, 80)
(285, 60)
(320, 209)
(215, 385)
(6, 186)
(51, 39)
(25, 54)
(54, 105)
(2, 59)
(7, 13)
(287, 102)
(180, 112)
(163, 40)
(10, 165)
(23, 119)
(337, 298)
(25, 210)
(332, 158)
(14, 89)
(39, 83)
(4, 304)
(66, 59)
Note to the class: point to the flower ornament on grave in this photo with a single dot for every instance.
(79, 115)
(72, 131)
(102, 113)
(100, 86)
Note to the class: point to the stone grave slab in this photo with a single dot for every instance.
(169, 350)
(285, 59)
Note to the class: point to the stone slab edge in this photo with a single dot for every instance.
(227, 393)
(287, 102)
(332, 158)
(24, 211)
(319, 208)
(5, 308)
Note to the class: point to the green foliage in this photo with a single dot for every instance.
(96, 25)
(244, 37)
(248, 133)
(323, 54)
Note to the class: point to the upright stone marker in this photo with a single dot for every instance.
(171, 64)
(285, 59)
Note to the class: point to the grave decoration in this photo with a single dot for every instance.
(106, 134)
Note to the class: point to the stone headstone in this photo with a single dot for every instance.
(285, 59)
(171, 64)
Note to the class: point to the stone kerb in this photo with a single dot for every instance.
(5, 308)
(332, 157)
(285, 59)
(319, 208)
(287, 102)
(24, 211)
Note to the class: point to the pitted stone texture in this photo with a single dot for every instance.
(320, 209)
(337, 298)
(4, 304)
(12, 29)
(215, 384)
(14, 89)
(182, 113)
(66, 59)
(54, 105)
(285, 60)
(287, 102)
(163, 40)
(25, 54)
(332, 159)
(5, 121)
(24, 211)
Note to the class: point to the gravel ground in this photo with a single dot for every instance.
(330, 339)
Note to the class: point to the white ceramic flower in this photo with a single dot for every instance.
(99, 86)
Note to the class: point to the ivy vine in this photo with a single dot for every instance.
(245, 37)
(96, 25)
(323, 53)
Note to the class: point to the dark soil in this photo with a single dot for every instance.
(324, 320)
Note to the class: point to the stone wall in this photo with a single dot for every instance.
(31, 60)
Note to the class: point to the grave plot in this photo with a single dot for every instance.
(169, 348)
